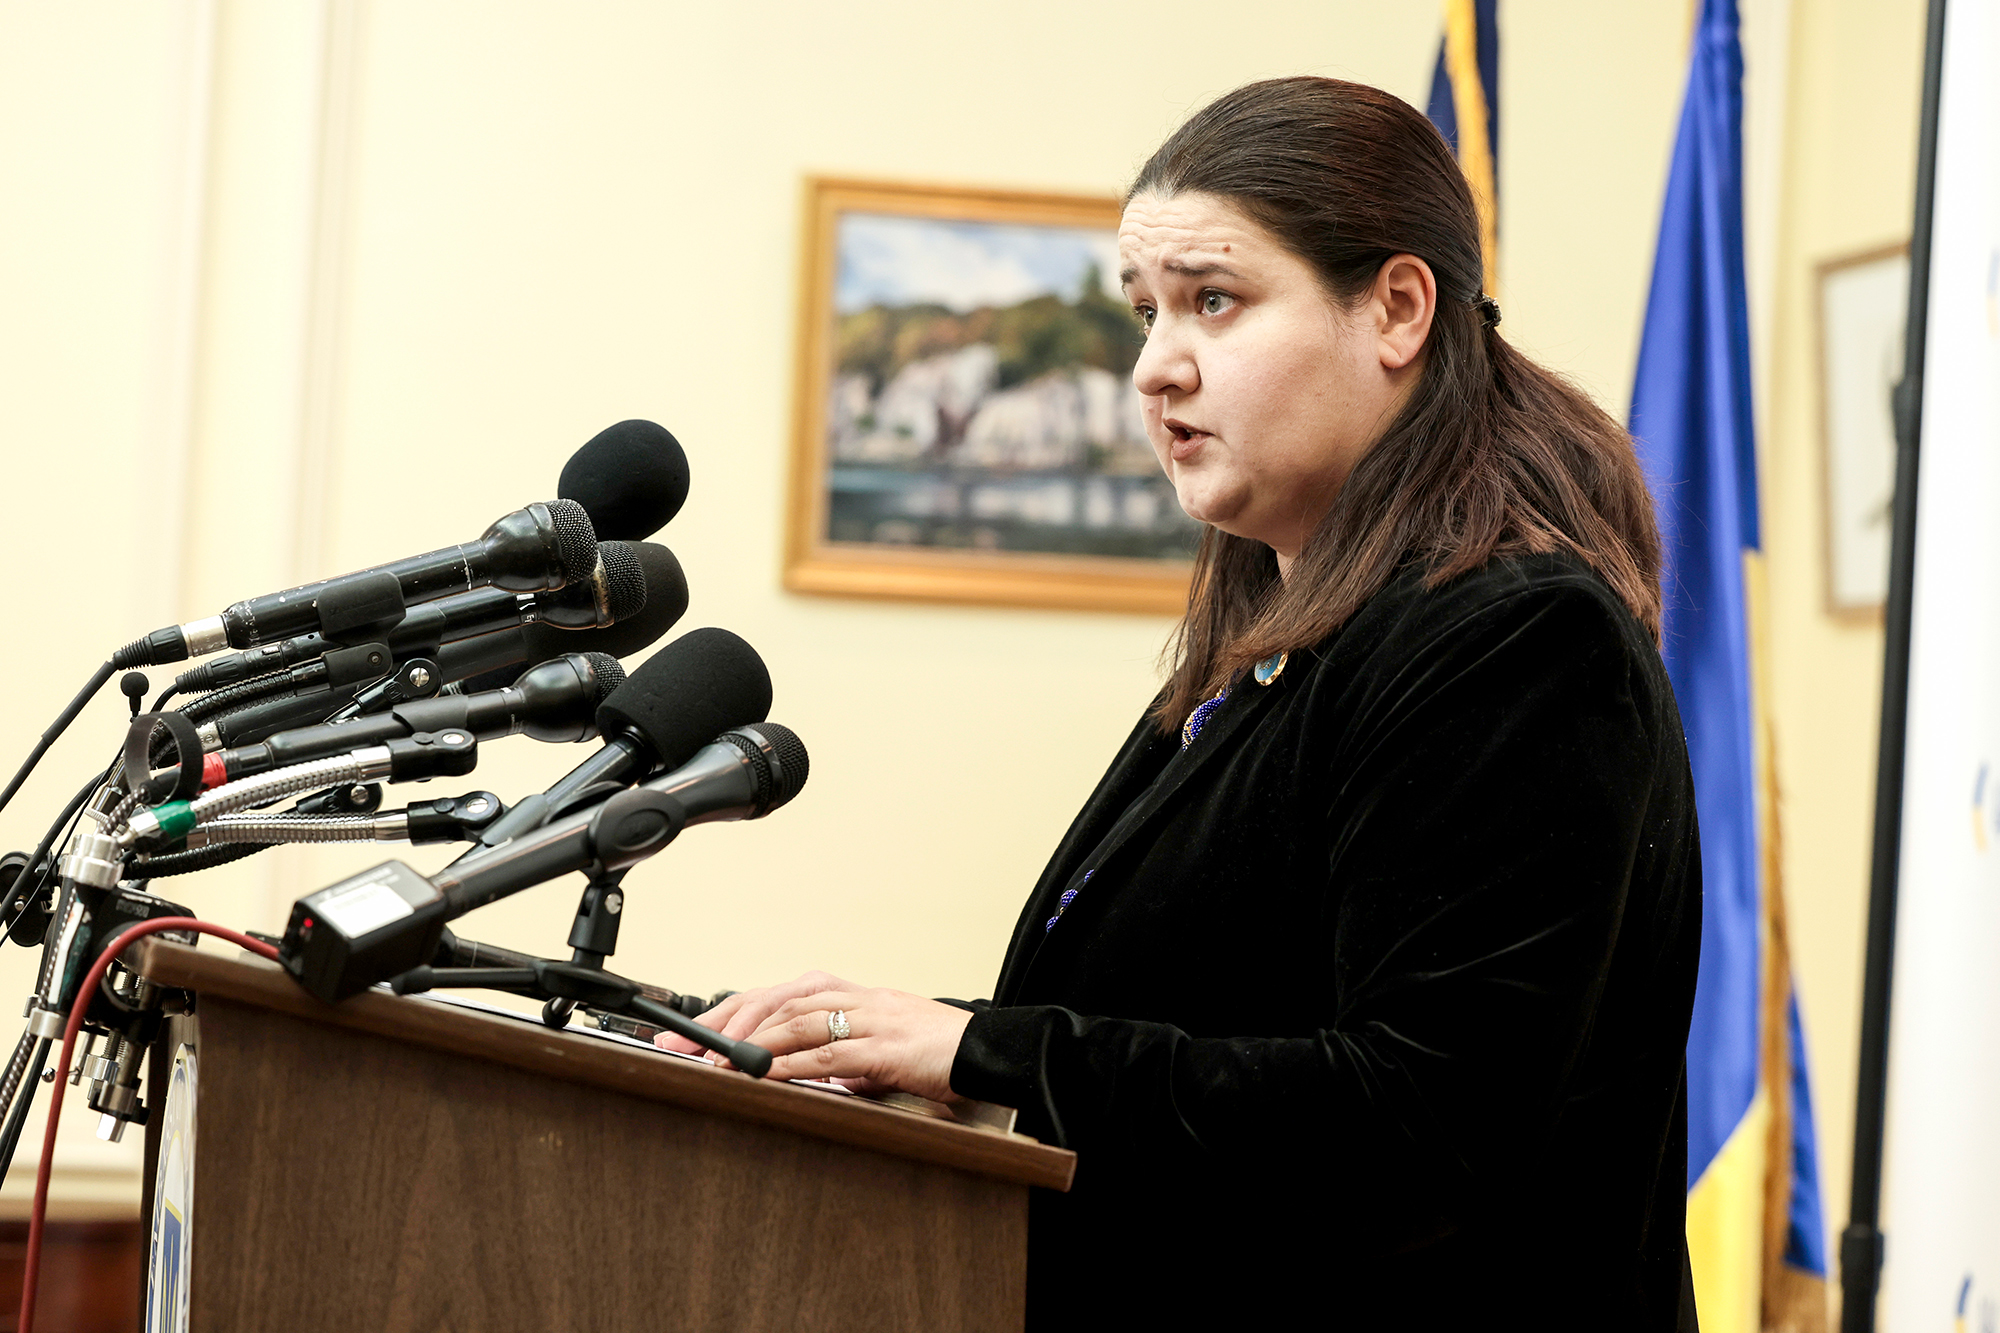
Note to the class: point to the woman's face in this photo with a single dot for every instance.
(1261, 393)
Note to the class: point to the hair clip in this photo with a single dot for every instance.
(1488, 308)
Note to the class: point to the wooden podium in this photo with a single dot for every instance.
(395, 1164)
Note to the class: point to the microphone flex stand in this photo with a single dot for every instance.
(561, 987)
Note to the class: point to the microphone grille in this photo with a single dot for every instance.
(779, 758)
(576, 540)
(624, 579)
(788, 757)
(609, 671)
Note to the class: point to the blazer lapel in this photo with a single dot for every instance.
(1135, 768)
(1214, 739)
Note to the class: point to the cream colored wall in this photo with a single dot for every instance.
(97, 113)
(441, 244)
(1589, 97)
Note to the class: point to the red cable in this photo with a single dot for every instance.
(70, 1029)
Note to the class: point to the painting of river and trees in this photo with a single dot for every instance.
(968, 429)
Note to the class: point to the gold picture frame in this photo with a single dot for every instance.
(969, 494)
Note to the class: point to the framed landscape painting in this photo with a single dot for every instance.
(967, 429)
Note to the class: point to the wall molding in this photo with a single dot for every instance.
(326, 289)
(166, 515)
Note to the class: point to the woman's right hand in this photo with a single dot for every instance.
(744, 1012)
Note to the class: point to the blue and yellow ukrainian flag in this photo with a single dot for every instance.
(1755, 1236)
(1465, 106)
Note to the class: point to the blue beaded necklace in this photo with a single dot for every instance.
(1263, 673)
(1199, 717)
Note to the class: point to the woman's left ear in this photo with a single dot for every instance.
(1405, 301)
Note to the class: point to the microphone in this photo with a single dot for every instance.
(631, 478)
(556, 702)
(486, 661)
(745, 773)
(614, 591)
(617, 591)
(702, 683)
(492, 659)
(379, 924)
(536, 549)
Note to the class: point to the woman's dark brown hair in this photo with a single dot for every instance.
(1491, 454)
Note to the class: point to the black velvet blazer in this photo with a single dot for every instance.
(1373, 1001)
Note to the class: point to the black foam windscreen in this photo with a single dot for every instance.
(631, 478)
(666, 591)
(684, 696)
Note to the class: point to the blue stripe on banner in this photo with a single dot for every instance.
(1691, 415)
(1805, 1231)
(1487, 15)
(1442, 110)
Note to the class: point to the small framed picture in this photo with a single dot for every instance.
(1862, 299)
(966, 426)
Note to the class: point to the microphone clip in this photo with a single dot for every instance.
(418, 678)
(631, 826)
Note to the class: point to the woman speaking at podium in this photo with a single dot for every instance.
(1360, 986)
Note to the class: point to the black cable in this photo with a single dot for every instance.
(49, 980)
(24, 1099)
(165, 695)
(200, 858)
(16, 1063)
(16, 892)
(305, 707)
(56, 729)
(50, 874)
(122, 811)
(227, 700)
(14, 1088)
(243, 692)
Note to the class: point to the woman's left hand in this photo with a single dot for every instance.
(895, 1040)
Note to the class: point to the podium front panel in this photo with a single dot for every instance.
(392, 1164)
(351, 1182)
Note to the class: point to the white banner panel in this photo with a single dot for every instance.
(1942, 1200)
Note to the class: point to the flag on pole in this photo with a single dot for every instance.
(1753, 1197)
(1465, 106)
